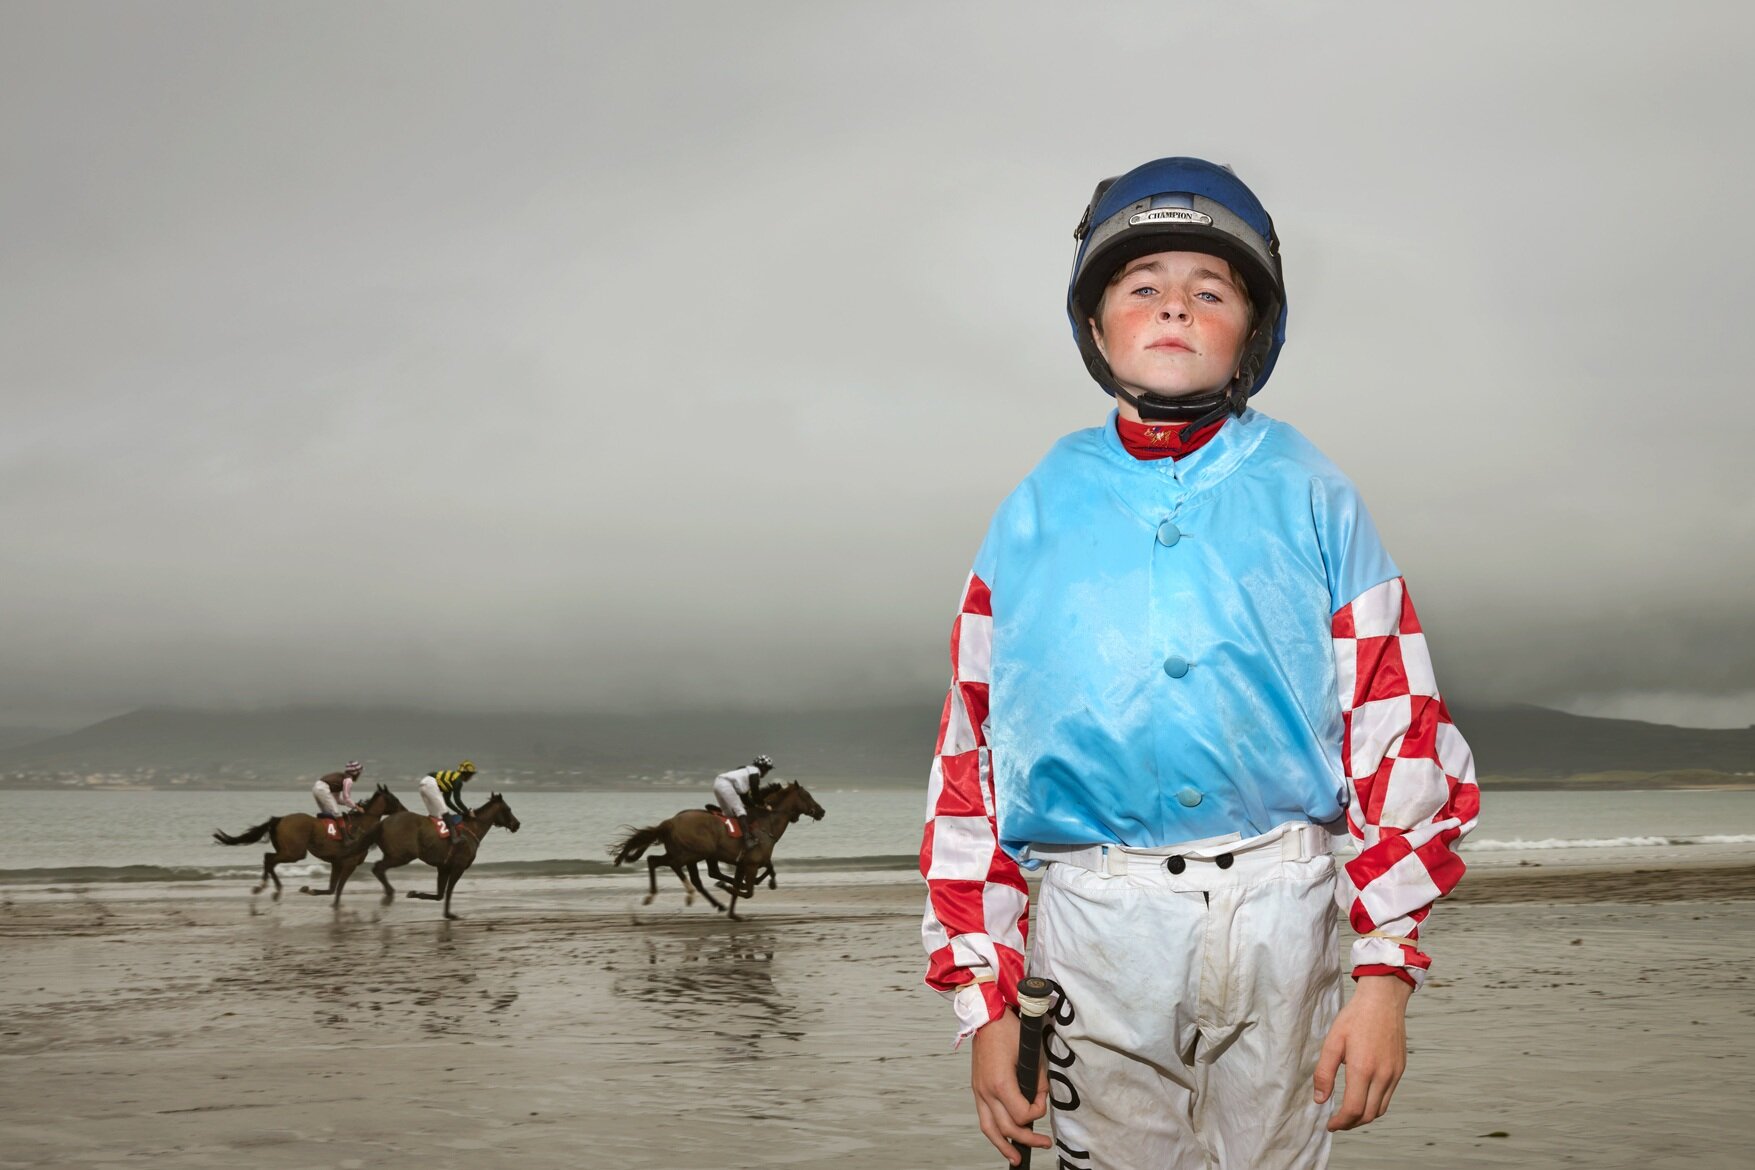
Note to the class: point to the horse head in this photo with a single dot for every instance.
(382, 802)
(795, 802)
(500, 813)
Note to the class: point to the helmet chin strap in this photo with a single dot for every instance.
(1195, 410)
(1199, 410)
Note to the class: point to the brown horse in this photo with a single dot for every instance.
(300, 833)
(410, 835)
(696, 835)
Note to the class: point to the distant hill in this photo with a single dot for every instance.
(274, 746)
(1539, 743)
(15, 735)
(877, 744)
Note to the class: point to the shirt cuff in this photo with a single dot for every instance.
(977, 1004)
(1377, 955)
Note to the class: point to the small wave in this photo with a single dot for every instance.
(1608, 842)
(106, 873)
(552, 867)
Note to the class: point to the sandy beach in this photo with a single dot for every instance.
(1578, 1017)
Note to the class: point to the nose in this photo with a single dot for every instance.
(1173, 307)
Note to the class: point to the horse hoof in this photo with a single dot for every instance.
(304, 889)
(277, 895)
(647, 900)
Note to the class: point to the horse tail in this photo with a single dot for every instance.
(635, 843)
(248, 836)
(364, 843)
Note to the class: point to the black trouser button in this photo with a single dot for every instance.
(1224, 860)
(1176, 865)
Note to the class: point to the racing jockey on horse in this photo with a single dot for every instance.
(334, 792)
(730, 788)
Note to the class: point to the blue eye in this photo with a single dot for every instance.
(1214, 297)
(1144, 290)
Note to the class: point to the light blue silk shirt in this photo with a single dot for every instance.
(1162, 663)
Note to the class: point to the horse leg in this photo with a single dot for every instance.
(772, 882)
(449, 878)
(695, 874)
(339, 872)
(269, 860)
(438, 891)
(326, 890)
(688, 890)
(652, 864)
(379, 871)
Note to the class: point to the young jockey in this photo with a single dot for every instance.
(729, 789)
(1182, 659)
(442, 792)
(334, 792)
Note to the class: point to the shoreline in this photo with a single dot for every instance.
(1653, 876)
(562, 1021)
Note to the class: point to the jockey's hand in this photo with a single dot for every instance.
(1370, 1037)
(993, 1075)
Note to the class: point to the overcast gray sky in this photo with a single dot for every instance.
(525, 356)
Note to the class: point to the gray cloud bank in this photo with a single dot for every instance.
(525, 357)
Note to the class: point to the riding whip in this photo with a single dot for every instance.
(1034, 997)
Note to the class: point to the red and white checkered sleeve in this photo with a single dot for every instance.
(1412, 778)
(976, 903)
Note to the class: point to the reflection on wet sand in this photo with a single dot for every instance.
(721, 983)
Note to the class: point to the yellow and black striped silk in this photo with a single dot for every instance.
(450, 779)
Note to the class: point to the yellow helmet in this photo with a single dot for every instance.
(467, 767)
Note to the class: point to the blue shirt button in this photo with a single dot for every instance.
(1175, 666)
(1168, 533)
(1188, 797)
(1343, 797)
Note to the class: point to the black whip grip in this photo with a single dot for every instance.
(1035, 995)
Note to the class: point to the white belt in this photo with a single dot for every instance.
(1293, 841)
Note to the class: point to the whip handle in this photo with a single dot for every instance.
(1035, 995)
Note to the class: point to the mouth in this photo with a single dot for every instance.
(1172, 344)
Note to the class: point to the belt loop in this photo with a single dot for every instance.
(1114, 862)
(1295, 845)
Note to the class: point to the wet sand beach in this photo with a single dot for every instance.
(1578, 1017)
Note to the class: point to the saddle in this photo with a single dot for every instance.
(439, 824)
(730, 823)
(335, 827)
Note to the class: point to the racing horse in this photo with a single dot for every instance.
(411, 835)
(300, 833)
(696, 835)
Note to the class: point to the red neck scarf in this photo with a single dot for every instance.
(1162, 440)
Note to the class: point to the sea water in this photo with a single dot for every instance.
(156, 835)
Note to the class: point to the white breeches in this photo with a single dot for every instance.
(1195, 1005)
(326, 799)
(431, 796)
(728, 798)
